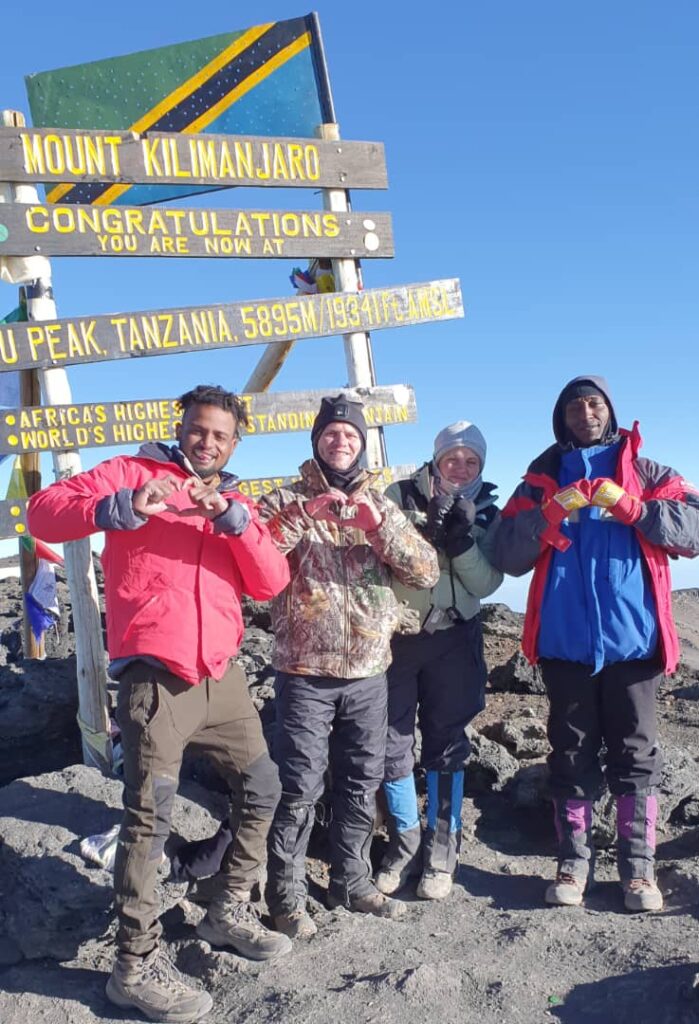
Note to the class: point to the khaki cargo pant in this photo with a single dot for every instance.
(159, 714)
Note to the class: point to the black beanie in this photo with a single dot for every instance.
(339, 410)
(580, 389)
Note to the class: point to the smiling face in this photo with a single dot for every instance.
(339, 445)
(459, 465)
(207, 436)
(587, 418)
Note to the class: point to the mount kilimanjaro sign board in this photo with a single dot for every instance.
(205, 328)
(78, 230)
(171, 158)
(49, 428)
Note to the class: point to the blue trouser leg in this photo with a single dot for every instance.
(445, 794)
(401, 801)
(405, 834)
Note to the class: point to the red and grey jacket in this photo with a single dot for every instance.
(668, 526)
(173, 584)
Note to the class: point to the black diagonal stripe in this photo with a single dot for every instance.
(281, 34)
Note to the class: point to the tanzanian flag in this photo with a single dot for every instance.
(266, 80)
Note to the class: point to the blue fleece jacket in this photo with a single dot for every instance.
(598, 607)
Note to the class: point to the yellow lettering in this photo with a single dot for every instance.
(37, 219)
(33, 153)
(8, 348)
(150, 157)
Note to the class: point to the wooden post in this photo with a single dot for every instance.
(268, 366)
(358, 356)
(91, 670)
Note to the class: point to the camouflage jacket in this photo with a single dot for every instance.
(337, 615)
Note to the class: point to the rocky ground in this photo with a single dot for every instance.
(491, 953)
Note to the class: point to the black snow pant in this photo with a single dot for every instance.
(614, 709)
(440, 677)
(321, 721)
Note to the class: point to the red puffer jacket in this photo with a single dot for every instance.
(173, 586)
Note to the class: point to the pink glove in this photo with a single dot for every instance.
(623, 506)
(567, 500)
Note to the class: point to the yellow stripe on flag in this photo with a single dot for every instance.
(178, 94)
(244, 87)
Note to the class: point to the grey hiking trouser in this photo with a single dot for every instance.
(614, 709)
(159, 714)
(321, 721)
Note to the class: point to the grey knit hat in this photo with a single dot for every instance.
(460, 435)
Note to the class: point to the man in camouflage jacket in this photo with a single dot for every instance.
(333, 624)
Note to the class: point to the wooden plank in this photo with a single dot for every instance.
(102, 424)
(80, 230)
(256, 487)
(226, 325)
(58, 155)
(13, 519)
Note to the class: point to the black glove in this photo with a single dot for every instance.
(465, 512)
(438, 511)
(458, 537)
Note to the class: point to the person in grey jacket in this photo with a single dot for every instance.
(438, 673)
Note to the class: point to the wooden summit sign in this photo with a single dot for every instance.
(13, 514)
(44, 428)
(172, 158)
(200, 328)
(79, 230)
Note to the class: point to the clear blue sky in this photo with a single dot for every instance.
(546, 153)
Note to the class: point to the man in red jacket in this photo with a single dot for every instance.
(181, 547)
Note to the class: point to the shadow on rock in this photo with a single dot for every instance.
(72, 984)
(659, 995)
(505, 891)
(82, 814)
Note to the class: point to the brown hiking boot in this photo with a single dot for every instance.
(565, 891)
(153, 986)
(236, 923)
(297, 925)
(642, 895)
(373, 903)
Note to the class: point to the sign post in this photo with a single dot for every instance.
(358, 356)
(91, 672)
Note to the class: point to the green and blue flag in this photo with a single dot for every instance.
(266, 80)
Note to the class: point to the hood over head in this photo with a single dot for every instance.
(578, 387)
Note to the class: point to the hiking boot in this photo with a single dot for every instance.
(372, 903)
(236, 923)
(565, 891)
(153, 986)
(642, 894)
(434, 885)
(297, 925)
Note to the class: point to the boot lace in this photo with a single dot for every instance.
(563, 878)
(161, 970)
(242, 913)
(637, 884)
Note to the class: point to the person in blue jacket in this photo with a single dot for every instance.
(597, 523)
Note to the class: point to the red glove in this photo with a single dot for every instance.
(623, 506)
(567, 500)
